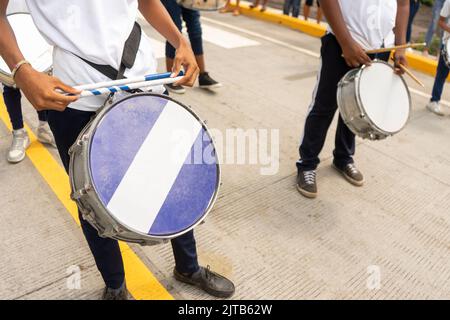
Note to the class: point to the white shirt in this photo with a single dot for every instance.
(17, 6)
(95, 30)
(445, 13)
(370, 22)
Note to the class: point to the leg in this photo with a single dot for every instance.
(307, 9)
(345, 145)
(439, 82)
(295, 8)
(174, 11)
(287, 7)
(324, 104)
(185, 254)
(194, 29)
(13, 104)
(433, 23)
(66, 126)
(319, 13)
(414, 7)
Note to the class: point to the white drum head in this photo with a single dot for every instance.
(384, 97)
(33, 46)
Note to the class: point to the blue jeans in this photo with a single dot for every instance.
(294, 5)
(194, 27)
(414, 6)
(439, 81)
(13, 104)
(437, 7)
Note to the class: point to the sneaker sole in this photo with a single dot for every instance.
(350, 179)
(212, 87)
(212, 292)
(307, 194)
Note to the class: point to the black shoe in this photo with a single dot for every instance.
(306, 183)
(175, 89)
(209, 281)
(206, 82)
(351, 174)
(116, 294)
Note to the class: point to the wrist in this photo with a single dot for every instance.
(22, 73)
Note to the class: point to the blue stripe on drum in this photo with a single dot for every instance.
(190, 196)
(118, 139)
(135, 174)
(96, 93)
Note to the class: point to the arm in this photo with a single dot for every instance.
(443, 24)
(39, 88)
(155, 14)
(401, 25)
(354, 55)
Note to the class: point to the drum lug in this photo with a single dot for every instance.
(77, 195)
(79, 144)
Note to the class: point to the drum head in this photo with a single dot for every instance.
(384, 97)
(154, 166)
(33, 46)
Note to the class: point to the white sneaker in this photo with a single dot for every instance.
(19, 144)
(44, 135)
(435, 107)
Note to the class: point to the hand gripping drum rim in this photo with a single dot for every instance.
(86, 196)
(352, 110)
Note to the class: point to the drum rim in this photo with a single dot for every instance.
(361, 105)
(94, 125)
(5, 77)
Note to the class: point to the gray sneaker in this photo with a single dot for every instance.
(19, 145)
(306, 183)
(45, 136)
(435, 107)
(351, 174)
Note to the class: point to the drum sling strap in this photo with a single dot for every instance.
(129, 55)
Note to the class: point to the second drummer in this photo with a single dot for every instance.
(353, 29)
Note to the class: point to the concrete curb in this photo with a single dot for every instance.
(417, 62)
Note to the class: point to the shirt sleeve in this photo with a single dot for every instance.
(445, 12)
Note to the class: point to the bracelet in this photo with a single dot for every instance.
(17, 67)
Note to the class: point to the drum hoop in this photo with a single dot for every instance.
(94, 125)
(361, 105)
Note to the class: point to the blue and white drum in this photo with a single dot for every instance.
(145, 170)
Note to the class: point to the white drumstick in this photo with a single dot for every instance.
(132, 86)
(115, 83)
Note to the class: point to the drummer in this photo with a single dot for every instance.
(442, 69)
(353, 29)
(97, 33)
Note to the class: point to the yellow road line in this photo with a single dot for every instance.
(141, 283)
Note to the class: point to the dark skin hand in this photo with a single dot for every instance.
(353, 53)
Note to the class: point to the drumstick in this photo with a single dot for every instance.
(409, 73)
(132, 86)
(150, 77)
(404, 46)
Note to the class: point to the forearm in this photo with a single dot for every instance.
(401, 22)
(332, 11)
(443, 24)
(155, 14)
(9, 50)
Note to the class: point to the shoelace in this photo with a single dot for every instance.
(310, 177)
(352, 168)
(17, 142)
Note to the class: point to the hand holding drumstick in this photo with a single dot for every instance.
(402, 66)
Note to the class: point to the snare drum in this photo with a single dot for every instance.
(33, 46)
(374, 102)
(202, 5)
(145, 170)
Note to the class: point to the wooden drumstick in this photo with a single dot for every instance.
(409, 73)
(404, 46)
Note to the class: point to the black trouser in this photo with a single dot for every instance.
(66, 126)
(322, 110)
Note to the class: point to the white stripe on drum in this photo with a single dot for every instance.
(144, 188)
